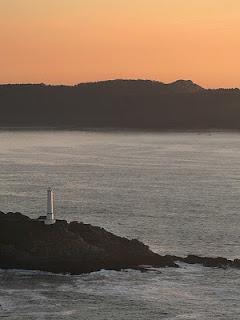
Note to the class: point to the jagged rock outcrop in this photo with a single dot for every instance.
(79, 248)
(68, 247)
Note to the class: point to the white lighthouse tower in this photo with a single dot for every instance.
(50, 218)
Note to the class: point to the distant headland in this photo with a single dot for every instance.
(130, 104)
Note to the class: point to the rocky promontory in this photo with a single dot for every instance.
(77, 248)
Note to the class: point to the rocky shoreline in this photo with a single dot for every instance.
(77, 248)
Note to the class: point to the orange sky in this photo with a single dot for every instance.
(72, 41)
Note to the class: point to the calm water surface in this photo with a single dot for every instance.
(177, 192)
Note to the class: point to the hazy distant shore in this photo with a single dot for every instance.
(116, 129)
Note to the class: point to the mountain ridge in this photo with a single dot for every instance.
(141, 104)
(183, 82)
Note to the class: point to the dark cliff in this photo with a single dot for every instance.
(136, 104)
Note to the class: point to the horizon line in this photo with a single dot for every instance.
(112, 80)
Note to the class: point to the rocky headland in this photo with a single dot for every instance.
(77, 248)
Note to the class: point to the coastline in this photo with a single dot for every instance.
(77, 248)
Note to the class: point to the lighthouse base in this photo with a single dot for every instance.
(48, 222)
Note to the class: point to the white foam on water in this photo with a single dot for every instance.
(31, 273)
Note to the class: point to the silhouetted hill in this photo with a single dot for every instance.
(184, 86)
(141, 104)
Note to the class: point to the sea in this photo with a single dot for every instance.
(178, 192)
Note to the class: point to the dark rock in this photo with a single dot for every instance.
(69, 247)
(208, 261)
(236, 263)
(80, 248)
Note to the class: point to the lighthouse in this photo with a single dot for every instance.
(50, 218)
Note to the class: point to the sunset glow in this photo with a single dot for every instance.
(72, 41)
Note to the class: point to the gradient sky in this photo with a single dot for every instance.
(72, 41)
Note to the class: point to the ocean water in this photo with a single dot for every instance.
(177, 192)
